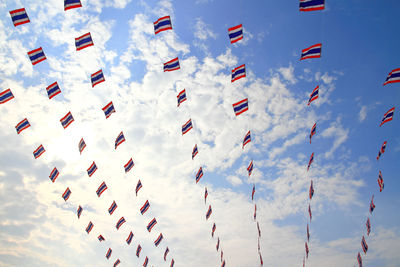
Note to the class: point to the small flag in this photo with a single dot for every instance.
(101, 238)
(162, 24)
(199, 174)
(38, 152)
(235, 33)
(250, 168)
(22, 125)
(258, 229)
(246, 139)
(240, 107)
(313, 131)
(313, 95)
(146, 261)
(253, 192)
(187, 126)
(371, 205)
(238, 72)
(172, 263)
(166, 253)
(151, 224)
(108, 109)
(54, 174)
(128, 166)
(97, 78)
(81, 145)
(83, 41)
(261, 260)
(138, 186)
(70, 4)
(359, 259)
(89, 227)
(307, 250)
(255, 212)
(36, 56)
(66, 194)
(380, 182)
(139, 248)
(309, 211)
(222, 255)
(181, 97)
(368, 224)
(308, 233)
(92, 169)
(217, 246)
(205, 195)
(19, 16)
(223, 264)
(79, 211)
(310, 161)
(6, 96)
(195, 151)
(313, 51)
(382, 150)
(364, 245)
(108, 254)
(213, 230)
(101, 189)
(129, 239)
(393, 77)
(209, 211)
(388, 116)
(311, 191)
(145, 207)
(312, 5)
(120, 222)
(67, 120)
(158, 240)
(112, 208)
(172, 65)
(53, 90)
(117, 262)
(120, 139)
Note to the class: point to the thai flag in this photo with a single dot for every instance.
(393, 77)
(313, 131)
(139, 248)
(199, 174)
(388, 116)
(382, 150)
(101, 238)
(19, 16)
(145, 207)
(223, 264)
(36, 56)
(53, 90)
(138, 186)
(120, 222)
(6, 96)
(54, 174)
(66, 194)
(359, 259)
(112, 208)
(101, 189)
(258, 229)
(69, 4)
(308, 233)
(364, 245)
(92, 169)
(253, 192)
(128, 166)
(307, 250)
(205, 195)
(217, 246)
(81, 145)
(312, 5)
(166, 253)
(261, 260)
(313, 95)
(371, 205)
(247, 139)
(214, 227)
(108, 109)
(120, 139)
(129, 239)
(239, 72)
(310, 161)
(181, 97)
(309, 211)
(151, 224)
(97, 78)
(67, 120)
(146, 261)
(222, 255)
(240, 107)
(108, 254)
(172, 263)
(22, 125)
(38, 152)
(235, 33)
(195, 151)
(162, 24)
(250, 168)
(255, 212)
(83, 41)
(89, 227)
(209, 212)
(158, 240)
(368, 224)
(172, 65)
(311, 191)
(313, 51)
(79, 211)
(380, 182)
(116, 263)
(187, 126)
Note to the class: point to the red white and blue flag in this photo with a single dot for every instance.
(70, 4)
(187, 126)
(214, 227)
(255, 212)
(388, 116)
(313, 131)
(307, 250)
(371, 205)
(172, 263)
(92, 169)
(83, 41)
(382, 150)
(145, 207)
(67, 120)
(108, 254)
(101, 238)
(146, 261)
(97, 77)
(238, 72)
(22, 125)
(6, 96)
(359, 259)
(364, 245)
(380, 182)
(199, 174)
(368, 224)
(79, 211)
(223, 264)
(308, 233)
(195, 151)
(36, 56)
(53, 90)
(240, 107)
(309, 211)
(128, 166)
(162, 24)
(120, 222)
(181, 97)
(166, 253)
(81, 145)
(313, 51)
(313, 95)
(311, 191)
(250, 168)
(138, 186)
(393, 77)
(89, 227)
(205, 195)
(54, 174)
(138, 249)
(116, 263)
(246, 139)
(38, 152)
(235, 33)
(112, 208)
(172, 65)
(209, 212)
(101, 189)
(120, 139)
(258, 229)
(253, 192)
(151, 224)
(217, 246)
(158, 240)
(129, 239)
(19, 16)
(312, 5)
(108, 109)
(66, 194)
(310, 161)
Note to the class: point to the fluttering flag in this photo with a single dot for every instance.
(195, 151)
(19, 16)
(181, 97)
(112, 208)
(38, 152)
(309, 211)
(70, 4)
(313, 51)
(172, 263)
(145, 207)
(83, 41)
(101, 238)
(380, 182)
(54, 174)
(162, 24)
(139, 248)
(116, 263)
(382, 150)
(222, 255)
(240, 107)
(66, 120)
(119, 140)
(368, 224)
(255, 212)
(97, 77)
(311, 5)
(308, 233)
(217, 246)
(238, 72)
(235, 33)
(223, 264)
(311, 191)
(253, 192)
(101, 189)
(120, 222)
(89, 227)
(214, 227)
(209, 211)
(166, 253)
(205, 195)
(393, 77)
(128, 166)
(108, 109)
(53, 90)
(138, 186)
(187, 126)
(36, 56)
(313, 131)
(108, 254)
(6, 96)
(66, 194)
(79, 211)
(158, 240)
(250, 168)
(310, 161)
(364, 245)
(261, 260)
(92, 169)
(129, 239)
(81, 145)
(151, 224)
(258, 229)
(199, 174)
(307, 250)
(247, 139)
(359, 259)
(22, 125)
(388, 116)
(172, 65)
(371, 205)
(313, 95)
(146, 261)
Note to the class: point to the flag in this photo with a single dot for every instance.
(311, 191)
(145, 207)
(112, 208)
(382, 150)
(120, 139)
(313, 51)
(308, 233)
(258, 228)
(388, 116)
(217, 246)
(199, 174)
(310, 161)
(253, 192)
(19, 16)
(6, 96)
(158, 240)
(359, 259)
(101, 238)
(205, 195)
(97, 78)
(313, 131)
(89, 227)
(261, 260)
(238, 72)
(108, 254)
(214, 227)
(129, 239)
(307, 250)
(151, 224)
(128, 166)
(146, 261)
(162, 24)
(313, 95)
(81, 145)
(54, 174)
(195, 151)
(22, 125)
(70, 4)
(312, 5)
(368, 224)
(223, 264)
(83, 41)
(79, 211)
(393, 77)
(364, 245)
(371, 205)
(209, 211)
(67, 120)
(101, 189)
(53, 90)
(240, 107)
(36, 56)
(250, 168)
(108, 109)
(166, 253)
(120, 222)
(380, 182)
(172, 65)
(139, 248)
(117, 262)
(255, 212)
(172, 263)
(222, 255)
(138, 186)
(309, 211)
(66, 194)
(38, 152)
(187, 126)
(235, 33)
(181, 97)
(247, 139)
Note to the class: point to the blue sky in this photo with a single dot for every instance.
(359, 49)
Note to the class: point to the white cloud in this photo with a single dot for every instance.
(234, 180)
(362, 115)
(288, 73)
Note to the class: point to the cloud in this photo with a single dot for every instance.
(362, 115)
(234, 180)
(338, 132)
(288, 73)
